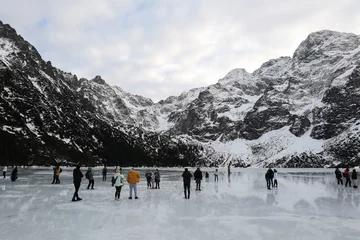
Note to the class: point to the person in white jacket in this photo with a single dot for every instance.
(4, 171)
(119, 179)
(275, 179)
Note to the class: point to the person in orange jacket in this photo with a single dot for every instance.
(133, 177)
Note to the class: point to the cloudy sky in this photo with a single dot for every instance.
(158, 48)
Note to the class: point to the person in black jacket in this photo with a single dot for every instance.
(77, 175)
(148, 178)
(187, 179)
(14, 174)
(269, 178)
(338, 176)
(198, 177)
(54, 175)
(354, 178)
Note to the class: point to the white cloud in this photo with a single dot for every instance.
(164, 47)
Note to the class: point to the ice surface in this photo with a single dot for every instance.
(307, 205)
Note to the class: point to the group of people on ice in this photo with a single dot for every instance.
(14, 173)
(133, 177)
(117, 181)
(153, 179)
(349, 177)
(271, 179)
(56, 176)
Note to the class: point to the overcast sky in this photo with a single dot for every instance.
(164, 47)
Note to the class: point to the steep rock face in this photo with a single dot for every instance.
(47, 117)
(314, 93)
(300, 111)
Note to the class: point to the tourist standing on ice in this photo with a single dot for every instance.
(152, 180)
(229, 171)
(354, 178)
(198, 177)
(14, 174)
(119, 179)
(148, 179)
(187, 180)
(133, 177)
(54, 175)
(90, 176)
(4, 171)
(77, 176)
(275, 179)
(346, 175)
(338, 176)
(269, 176)
(104, 173)
(216, 174)
(157, 179)
(57, 174)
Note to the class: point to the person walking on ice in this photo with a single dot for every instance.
(148, 179)
(275, 179)
(269, 176)
(216, 174)
(198, 177)
(338, 176)
(77, 176)
(187, 180)
(157, 179)
(104, 173)
(57, 174)
(133, 177)
(14, 174)
(354, 178)
(4, 171)
(90, 176)
(346, 175)
(118, 183)
(152, 180)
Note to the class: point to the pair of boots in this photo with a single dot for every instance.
(76, 198)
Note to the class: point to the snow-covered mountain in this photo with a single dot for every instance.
(297, 111)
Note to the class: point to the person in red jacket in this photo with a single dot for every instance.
(346, 175)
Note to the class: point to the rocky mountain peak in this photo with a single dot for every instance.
(7, 31)
(235, 74)
(325, 42)
(99, 80)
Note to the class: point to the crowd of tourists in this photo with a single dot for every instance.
(350, 178)
(153, 179)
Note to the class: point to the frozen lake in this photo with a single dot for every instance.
(307, 205)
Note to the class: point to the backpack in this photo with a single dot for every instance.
(113, 181)
(344, 174)
(87, 175)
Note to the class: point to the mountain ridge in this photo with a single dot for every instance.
(263, 118)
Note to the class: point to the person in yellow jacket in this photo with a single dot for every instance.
(133, 177)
